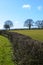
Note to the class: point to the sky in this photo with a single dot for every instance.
(20, 10)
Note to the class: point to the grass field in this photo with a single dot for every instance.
(35, 34)
(5, 52)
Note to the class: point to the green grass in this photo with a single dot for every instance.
(5, 52)
(35, 34)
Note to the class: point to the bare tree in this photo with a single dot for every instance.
(8, 24)
(28, 23)
(39, 23)
(42, 24)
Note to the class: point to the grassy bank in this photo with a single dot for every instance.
(5, 52)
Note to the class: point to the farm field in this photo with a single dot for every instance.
(5, 51)
(35, 34)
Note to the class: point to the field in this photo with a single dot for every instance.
(35, 34)
(5, 51)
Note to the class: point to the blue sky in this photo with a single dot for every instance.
(19, 10)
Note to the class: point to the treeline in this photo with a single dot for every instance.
(29, 23)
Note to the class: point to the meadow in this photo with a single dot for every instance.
(5, 51)
(35, 34)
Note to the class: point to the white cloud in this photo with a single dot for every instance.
(39, 7)
(26, 6)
